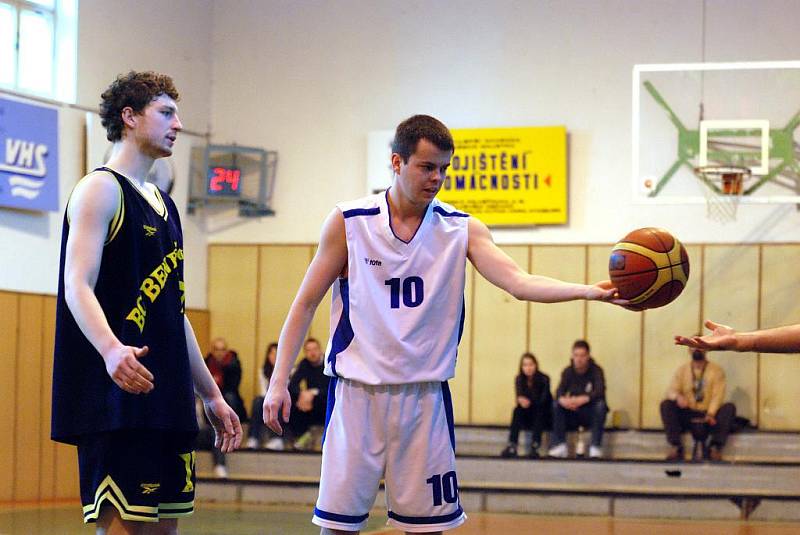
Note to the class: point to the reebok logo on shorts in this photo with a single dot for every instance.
(149, 488)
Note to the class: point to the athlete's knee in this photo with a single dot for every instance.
(165, 526)
(109, 522)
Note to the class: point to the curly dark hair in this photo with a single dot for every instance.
(410, 131)
(135, 90)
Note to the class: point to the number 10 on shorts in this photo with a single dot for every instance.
(443, 486)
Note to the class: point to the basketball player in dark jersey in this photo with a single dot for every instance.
(127, 363)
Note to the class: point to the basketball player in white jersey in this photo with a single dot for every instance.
(396, 320)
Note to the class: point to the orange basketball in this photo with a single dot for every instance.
(649, 267)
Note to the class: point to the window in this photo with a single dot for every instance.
(38, 43)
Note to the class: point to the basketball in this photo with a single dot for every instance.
(649, 267)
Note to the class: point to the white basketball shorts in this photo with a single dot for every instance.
(400, 433)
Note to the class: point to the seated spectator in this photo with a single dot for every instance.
(697, 394)
(534, 405)
(226, 370)
(259, 432)
(309, 390)
(580, 401)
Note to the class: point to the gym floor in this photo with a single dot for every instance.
(219, 519)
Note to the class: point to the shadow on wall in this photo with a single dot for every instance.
(26, 222)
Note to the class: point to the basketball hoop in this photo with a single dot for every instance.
(724, 187)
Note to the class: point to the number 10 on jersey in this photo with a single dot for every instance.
(411, 288)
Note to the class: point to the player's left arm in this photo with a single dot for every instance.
(499, 269)
(227, 428)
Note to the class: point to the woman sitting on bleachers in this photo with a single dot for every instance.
(534, 405)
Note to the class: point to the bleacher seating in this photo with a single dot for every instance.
(758, 478)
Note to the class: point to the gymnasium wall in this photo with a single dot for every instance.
(311, 79)
(114, 37)
(40, 469)
(749, 286)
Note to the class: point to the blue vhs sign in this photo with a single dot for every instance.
(28, 156)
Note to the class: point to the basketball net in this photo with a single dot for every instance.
(723, 187)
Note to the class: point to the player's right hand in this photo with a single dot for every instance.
(277, 403)
(124, 368)
(722, 337)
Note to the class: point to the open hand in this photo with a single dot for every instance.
(721, 337)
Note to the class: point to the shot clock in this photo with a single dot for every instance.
(223, 181)
(223, 178)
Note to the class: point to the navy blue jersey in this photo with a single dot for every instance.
(141, 291)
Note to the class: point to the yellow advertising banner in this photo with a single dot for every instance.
(509, 176)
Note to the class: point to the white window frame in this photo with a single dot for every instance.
(64, 15)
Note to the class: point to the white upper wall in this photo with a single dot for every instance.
(311, 79)
(115, 37)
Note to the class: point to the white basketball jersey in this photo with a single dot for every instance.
(397, 317)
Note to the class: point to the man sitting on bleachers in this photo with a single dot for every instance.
(580, 401)
(696, 398)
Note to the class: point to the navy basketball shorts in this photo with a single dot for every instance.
(146, 475)
(402, 434)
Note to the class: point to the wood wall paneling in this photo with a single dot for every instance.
(779, 392)
(47, 461)
(554, 327)
(730, 296)
(460, 384)
(499, 337)
(232, 300)
(615, 336)
(281, 270)
(67, 482)
(28, 436)
(9, 304)
(660, 356)
(201, 323)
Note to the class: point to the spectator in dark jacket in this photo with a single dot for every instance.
(309, 390)
(534, 405)
(580, 401)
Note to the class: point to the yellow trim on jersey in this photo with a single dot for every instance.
(163, 212)
(159, 207)
(116, 222)
(119, 216)
(108, 490)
